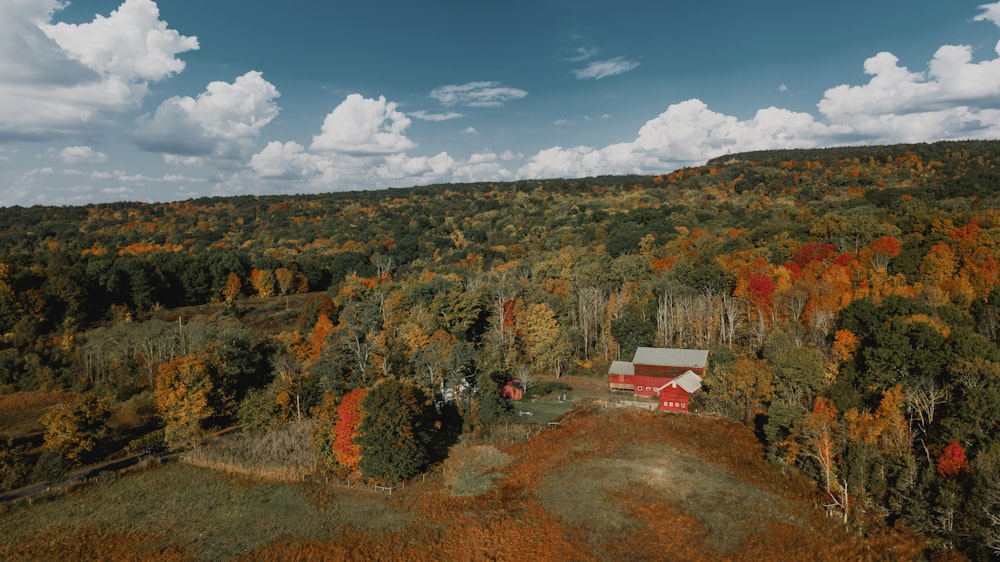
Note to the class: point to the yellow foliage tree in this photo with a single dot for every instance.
(183, 387)
(76, 428)
(232, 288)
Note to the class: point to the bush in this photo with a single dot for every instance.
(548, 387)
(148, 441)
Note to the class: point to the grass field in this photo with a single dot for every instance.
(19, 412)
(606, 484)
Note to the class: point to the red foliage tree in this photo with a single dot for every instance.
(952, 461)
(761, 288)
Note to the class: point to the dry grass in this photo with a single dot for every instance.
(471, 469)
(283, 455)
(19, 412)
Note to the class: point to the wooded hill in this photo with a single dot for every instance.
(848, 296)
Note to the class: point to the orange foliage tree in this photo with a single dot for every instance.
(346, 451)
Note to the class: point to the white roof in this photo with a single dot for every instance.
(671, 357)
(689, 381)
(621, 368)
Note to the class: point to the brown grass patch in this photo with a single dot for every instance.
(19, 412)
(92, 544)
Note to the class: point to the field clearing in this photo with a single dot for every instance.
(203, 513)
(19, 411)
(606, 484)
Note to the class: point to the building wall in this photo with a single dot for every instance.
(644, 385)
(666, 371)
(674, 399)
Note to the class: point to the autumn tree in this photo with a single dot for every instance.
(546, 343)
(183, 390)
(232, 288)
(263, 282)
(76, 429)
(397, 426)
(345, 447)
(285, 278)
(952, 460)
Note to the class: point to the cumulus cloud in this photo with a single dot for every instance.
(63, 79)
(132, 43)
(417, 169)
(222, 122)
(362, 127)
(604, 68)
(287, 161)
(427, 116)
(955, 97)
(483, 166)
(82, 155)
(477, 94)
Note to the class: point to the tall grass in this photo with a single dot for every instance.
(282, 455)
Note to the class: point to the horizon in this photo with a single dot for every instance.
(128, 100)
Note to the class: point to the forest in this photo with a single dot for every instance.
(850, 298)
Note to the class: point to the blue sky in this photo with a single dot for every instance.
(106, 100)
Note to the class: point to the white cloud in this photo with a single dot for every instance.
(604, 68)
(782, 88)
(483, 166)
(82, 155)
(363, 127)
(285, 161)
(477, 94)
(426, 116)
(561, 122)
(686, 133)
(132, 43)
(470, 131)
(954, 98)
(63, 79)
(222, 122)
(420, 169)
(584, 53)
(991, 12)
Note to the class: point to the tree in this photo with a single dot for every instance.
(76, 429)
(345, 432)
(396, 430)
(263, 282)
(546, 342)
(183, 388)
(952, 460)
(232, 288)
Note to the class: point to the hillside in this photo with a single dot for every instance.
(848, 297)
(604, 485)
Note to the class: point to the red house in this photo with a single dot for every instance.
(670, 374)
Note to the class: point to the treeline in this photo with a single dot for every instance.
(848, 296)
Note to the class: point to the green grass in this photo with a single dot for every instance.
(208, 515)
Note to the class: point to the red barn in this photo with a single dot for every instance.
(671, 374)
(675, 396)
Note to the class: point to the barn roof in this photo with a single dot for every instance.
(671, 357)
(621, 368)
(689, 381)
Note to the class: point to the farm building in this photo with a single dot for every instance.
(673, 375)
